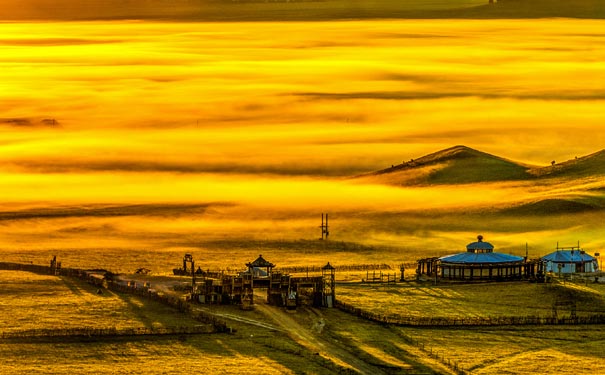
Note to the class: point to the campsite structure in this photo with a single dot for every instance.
(573, 259)
(480, 262)
(282, 289)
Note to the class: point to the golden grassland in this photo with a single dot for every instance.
(481, 350)
(472, 300)
(249, 350)
(30, 301)
(518, 350)
(52, 302)
(226, 140)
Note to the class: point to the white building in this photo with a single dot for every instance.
(570, 260)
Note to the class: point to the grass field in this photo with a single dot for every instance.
(29, 301)
(310, 341)
(473, 300)
(129, 139)
(518, 350)
(250, 350)
(47, 302)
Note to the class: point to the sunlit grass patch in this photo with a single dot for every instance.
(472, 300)
(516, 350)
(32, 301)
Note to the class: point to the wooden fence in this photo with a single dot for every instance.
(428, 321)
(34, 268)
(343, 268)
(124, 287)
(84, 332)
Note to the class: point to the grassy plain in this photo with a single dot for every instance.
(517, 350)
(50, 302)
(227, 139)
(473, 300)
(250, 350)
(310, 341)
(30, 301)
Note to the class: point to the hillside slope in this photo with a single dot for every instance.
(586, 166)
(594, 9)
(455, 165)
(574, 186)
(463, 165)
(283, 10)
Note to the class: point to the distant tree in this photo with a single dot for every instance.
(552, 163)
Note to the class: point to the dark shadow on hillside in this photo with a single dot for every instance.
(552, 207)
(234, 11)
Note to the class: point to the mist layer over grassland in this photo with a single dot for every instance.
(173, 137)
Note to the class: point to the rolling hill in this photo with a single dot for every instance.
(594, 9)
(464, 165)
(590, 165)
(455, 165)
(299, 10)
(568, 187)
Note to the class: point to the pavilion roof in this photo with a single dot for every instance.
(260, 262)
(480, 258)
(568, 256)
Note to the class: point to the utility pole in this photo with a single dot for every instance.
(325, 232)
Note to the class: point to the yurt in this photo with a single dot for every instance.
(480, 262)
(570, 260)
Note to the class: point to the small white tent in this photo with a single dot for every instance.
(570, 261)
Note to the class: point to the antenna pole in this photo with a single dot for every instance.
(324, 227)
(526, 251)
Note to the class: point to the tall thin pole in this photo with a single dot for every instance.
(325, 232)
(322, 226)
(526, 252)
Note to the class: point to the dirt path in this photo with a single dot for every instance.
(313, 341)
(241, 319)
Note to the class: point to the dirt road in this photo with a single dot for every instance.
(311, 338)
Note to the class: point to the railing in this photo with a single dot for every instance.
(83, 332)
(123, 287)
(399, 320)
(343, 268)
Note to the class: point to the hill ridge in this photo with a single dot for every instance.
(462, 164)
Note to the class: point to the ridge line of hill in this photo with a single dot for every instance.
(461, 164)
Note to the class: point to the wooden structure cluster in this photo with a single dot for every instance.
(282, 289)
(186, 270)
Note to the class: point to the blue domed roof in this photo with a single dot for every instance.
(480, 253)
(568, 256)
(479, 245)
(483, 258)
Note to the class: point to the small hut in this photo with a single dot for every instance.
(570, 260)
